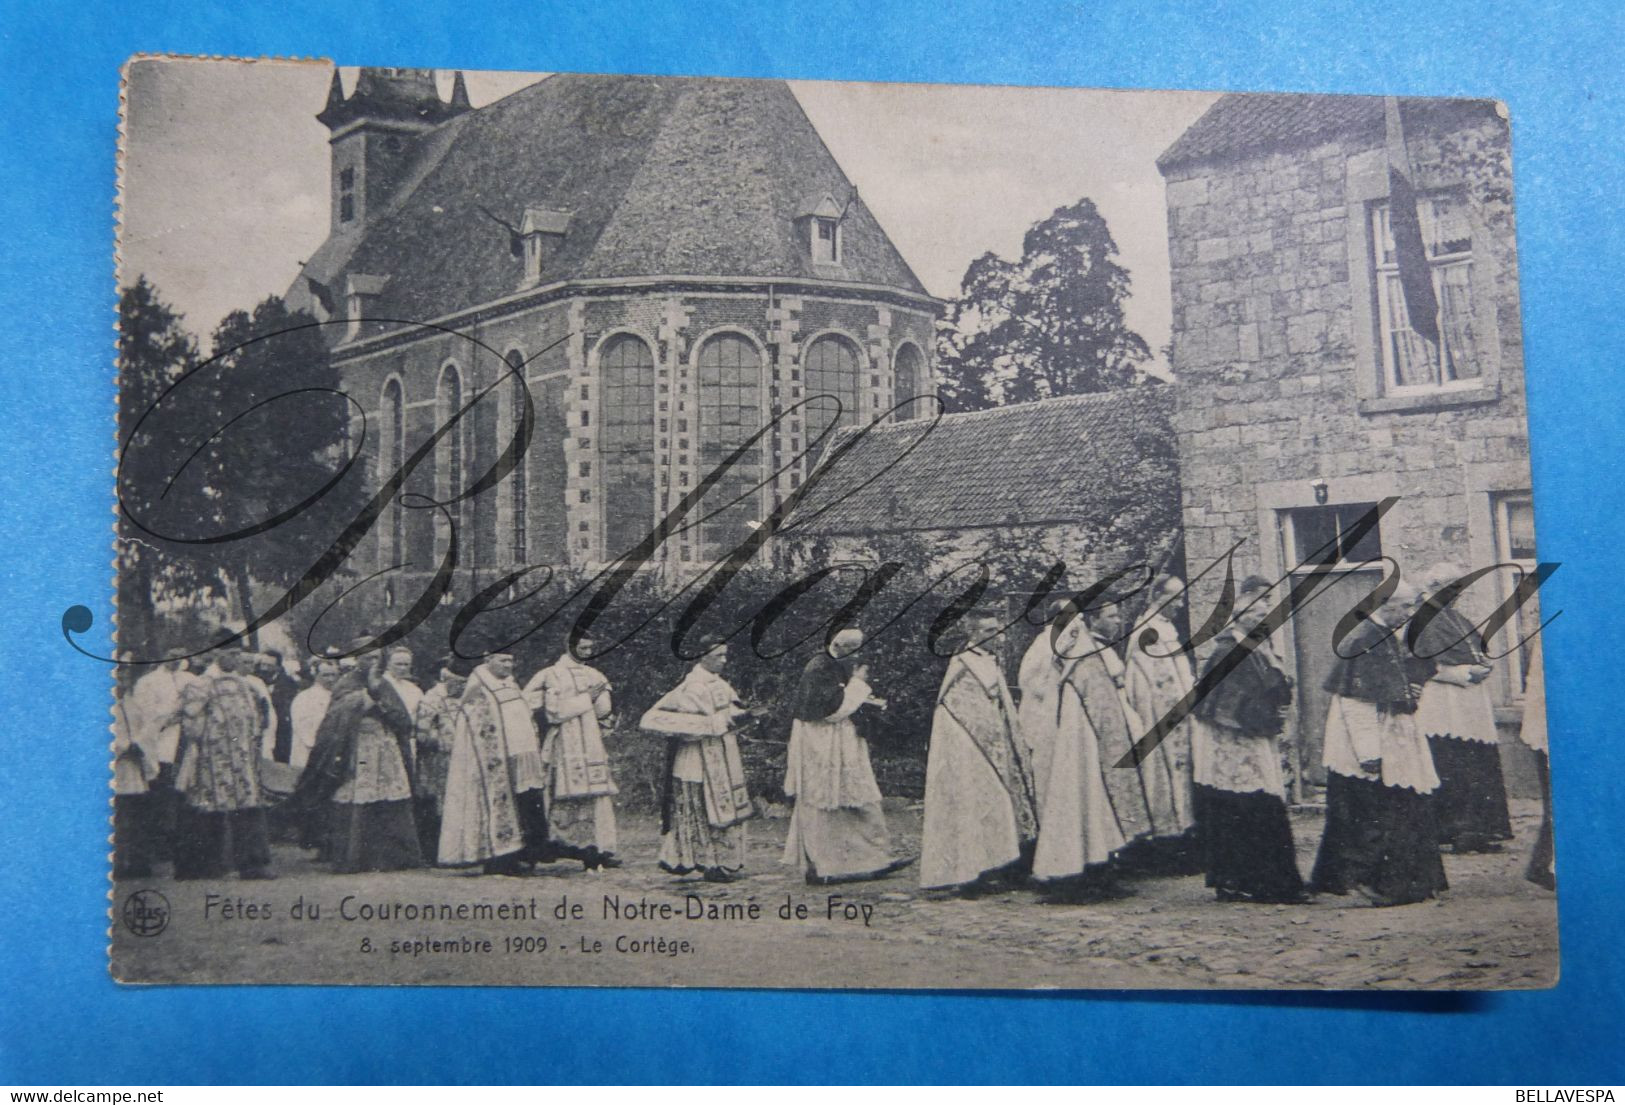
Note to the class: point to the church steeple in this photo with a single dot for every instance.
(375, 131)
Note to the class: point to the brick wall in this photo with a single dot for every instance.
(565, 504)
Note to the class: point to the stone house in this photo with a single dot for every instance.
(1303, 393)
(669, 264)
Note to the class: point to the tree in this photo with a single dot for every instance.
(153, 353)
(1048, 324)
(237, 473)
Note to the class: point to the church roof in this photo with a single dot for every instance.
(1059, 460)
(1266, 122)
(667, 176)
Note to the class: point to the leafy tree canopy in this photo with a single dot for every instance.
(232, 468)
(1048, 324)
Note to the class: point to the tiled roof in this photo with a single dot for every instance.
(1254, 122)
(661, 176)
(1059, 460)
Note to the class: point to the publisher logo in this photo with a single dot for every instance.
(145, 913)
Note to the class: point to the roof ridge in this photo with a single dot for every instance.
(1081, 399)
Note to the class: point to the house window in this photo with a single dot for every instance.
(907, 374)
(1314, 531)
(450, 456)
(393, 548)
(729, 370)
(519, 478)
(1515, 549)
(826, 241)
(1412, 363)
(626, 437)
(832, 388)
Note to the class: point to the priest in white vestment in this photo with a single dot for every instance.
(1092, 807)
(221, 822)
(981, 816)
(1381, 838)
(1039, 682)
(1156, 677)
(574, 700)
(494, 811)
(434, 736)
(154, 711)
(306, 711)
(1456, 716)
(706, 802)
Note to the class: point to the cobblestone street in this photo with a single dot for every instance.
(1492, 930)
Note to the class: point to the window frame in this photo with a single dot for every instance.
(1366, 181)
(518, 542)
(921, 387)
(1506, 581)
(451, 458)
(392, 537)
(849, 414)
(747, 474)
(610, 426)
(816, 240)
(1385, 271)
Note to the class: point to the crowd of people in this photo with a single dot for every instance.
(1023, 786)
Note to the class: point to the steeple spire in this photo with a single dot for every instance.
(376, 130)
(407, 96)
(335, 95)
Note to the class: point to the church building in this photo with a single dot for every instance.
(672, 265)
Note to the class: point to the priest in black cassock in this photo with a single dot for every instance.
(1381, 839)
(1245, 830)
(1457, 718)
(838, 830)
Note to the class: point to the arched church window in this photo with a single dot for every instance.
(626, 374)
(451, 456)
(391, 456)
(729, 370)
(519, 478)
(908, 375)
(831, 376)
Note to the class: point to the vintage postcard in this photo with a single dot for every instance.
(595, 530)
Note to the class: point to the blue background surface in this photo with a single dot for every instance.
(62, 1021)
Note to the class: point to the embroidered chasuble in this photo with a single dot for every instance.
(574, 698)
(495, 756)
(1091, 807)
(1152, 684)
(698, 712)
(219, 766)
(979, 805)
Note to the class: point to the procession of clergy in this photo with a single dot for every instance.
(482, 772)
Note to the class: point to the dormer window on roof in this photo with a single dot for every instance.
(818, 224)
(361, 292)
(543, 229)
